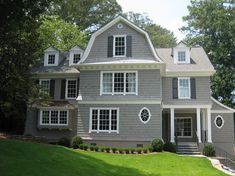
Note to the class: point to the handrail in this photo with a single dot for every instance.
(197, 139)
(176, 139)
(227, 157)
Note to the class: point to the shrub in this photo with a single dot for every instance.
(64, 142)
(96, 148)
(114, 149)
(145, 150)
(127, 150)
(76, 141)
(133, 150)
(107, 149)
(85, 146)
(170, 147)
(209, 150)
(121, 150)
(139, 150)
(157, 145)
(102, 149)
(81, 146)
(150, 149)
(92, 147)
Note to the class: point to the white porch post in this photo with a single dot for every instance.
(172, 125)
(209, 140)
(199, 125)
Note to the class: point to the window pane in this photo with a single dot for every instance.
(45, 86)
(94, 122)
(118, 82)
(54, 117)
(114, 120)
(104, 120)
(181, 56)
(184, 88)
(119, 46)
(51, 59)
(45, 117)
(71, 88)
(107, 82)
(63, 117)
(131, 82)
(144, 115)
(76, 58)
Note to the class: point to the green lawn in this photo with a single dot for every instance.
(29, 159)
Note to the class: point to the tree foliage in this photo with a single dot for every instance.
(161, 37)
(60, 34)
(88, 15)
(211, 24)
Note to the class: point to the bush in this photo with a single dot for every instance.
(102, 149)
(114, 149)
(81, 146)
(170, 147)
(157, 145)
(133, 150)
(139, 150)
(76, 141)
(121, 150)
(127, 150)
(64, 142)
(85, 146)
(96, 148)
(150, 149)
(209, 150)
(107, 149)
(145, 150)
(92, 147)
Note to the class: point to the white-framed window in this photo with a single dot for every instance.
(104, 120)
(119, 82)
(76, 58)
(54, 117)
(45, 85)
(219, 121)
(144, 115)
(71, 88)
(119, 46)
(184, 127)
(51, 59)
(181, 56)
(184, 89)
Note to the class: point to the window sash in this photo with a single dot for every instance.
(104, 120)
(51, 59)
(54, 117)
(118, 83)
(71, 88)
(45, 85)
(181, 56)
(76, 58)
(184, 127)
(184, 88)
(119, 46)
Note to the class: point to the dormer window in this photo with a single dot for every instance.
(181, 57)
(51, 59)
(119, 45)
(181, 54)
(76, 58)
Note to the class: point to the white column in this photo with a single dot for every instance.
(172, 125)
(209, 140)
(199, 125)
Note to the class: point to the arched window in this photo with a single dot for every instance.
(144, 115)
(219, 121)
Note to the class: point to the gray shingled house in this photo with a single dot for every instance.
(121, 91)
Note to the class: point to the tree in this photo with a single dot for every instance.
(211, 24)
(161, 37)
(88, 15)
(18, 48)
(60, 34)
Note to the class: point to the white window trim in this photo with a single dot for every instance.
(222, 121)
(118, 93)
(180, 78)
(40, 83)
(191, 127)
(52, 124)
(144, 108)
(46, 58)
(66, 89)
(114, 37)
(182, 62)
(98, 122)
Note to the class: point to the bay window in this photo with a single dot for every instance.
(53, 117)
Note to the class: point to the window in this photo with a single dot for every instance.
(51, 59)
(45, 85)
(76, 58)
(184, 126)
(219, 121)
(119, 46)
(181, 57)
(184, 88)
(104, 120)
(53, 117)
(144, 115)
(71, 88)
(119, 83)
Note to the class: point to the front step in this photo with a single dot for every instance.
(187, 149)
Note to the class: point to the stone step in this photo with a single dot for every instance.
(188, 153)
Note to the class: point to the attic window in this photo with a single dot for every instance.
(119, 49)
(76, 58)
(181, 57)
(51, 59)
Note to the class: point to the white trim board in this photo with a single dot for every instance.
(222, 105)
(121, 102)
(186, 106)
(107, 26)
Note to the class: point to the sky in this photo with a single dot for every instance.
(166, 13)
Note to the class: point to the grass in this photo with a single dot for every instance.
(24, 158)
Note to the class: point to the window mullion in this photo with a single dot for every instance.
(113, 83)
(58, 118)
(110, 111)
(124, 91)
(98, 123)
(49, 117)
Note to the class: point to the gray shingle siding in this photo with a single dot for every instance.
(140, 47)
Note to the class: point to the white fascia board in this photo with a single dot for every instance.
(189, 73)
(107, 26)
(186, 106)
(222, 105)
(121, 102)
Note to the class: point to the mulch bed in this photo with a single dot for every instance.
(4, 136)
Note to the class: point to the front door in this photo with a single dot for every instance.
(183, 127)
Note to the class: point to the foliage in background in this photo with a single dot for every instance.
(211, 24)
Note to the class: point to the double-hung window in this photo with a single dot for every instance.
(45, 85)
(104, 120)
(119, 83)
(184, 88)
(76, 58)
(181, 57)
(71, 88)
(119, 44)
(51, 59)
(53, 117)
